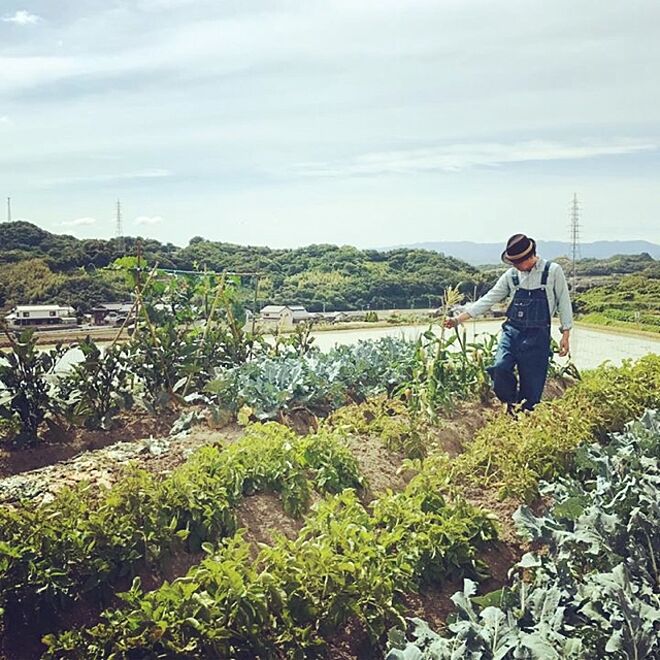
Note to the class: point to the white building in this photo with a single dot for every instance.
(284, 315)
(39, 315)
(300, 313)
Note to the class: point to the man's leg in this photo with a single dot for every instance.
(533, 362)
(505, 383)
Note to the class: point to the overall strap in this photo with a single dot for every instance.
(515, 278)
(544, 276)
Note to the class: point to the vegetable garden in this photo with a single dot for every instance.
(163, 564)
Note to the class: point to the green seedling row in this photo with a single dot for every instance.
(347, 564)
(82, 541)
(513, 455)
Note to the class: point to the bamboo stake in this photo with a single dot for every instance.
(135, 303)
(214, 305)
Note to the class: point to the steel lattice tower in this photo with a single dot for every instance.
(119, 231)
(575, 239)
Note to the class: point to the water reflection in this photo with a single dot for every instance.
(589, 347)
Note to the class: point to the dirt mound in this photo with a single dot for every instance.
(59, 444)
(262, 516)
(103, 467)
(378, 465)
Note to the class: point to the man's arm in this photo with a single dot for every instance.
(498, 293)
(563, 299)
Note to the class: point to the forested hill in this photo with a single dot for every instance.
(37, 266)
(488, 253)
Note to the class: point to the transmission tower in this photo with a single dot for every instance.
(8, 209)
(575, 239)
(119, 231)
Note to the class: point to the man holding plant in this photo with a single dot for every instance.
(539, 290)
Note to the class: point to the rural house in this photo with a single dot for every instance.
(111, 313)
(284, 315)
(39, 315)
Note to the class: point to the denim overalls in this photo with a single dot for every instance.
(524, 343)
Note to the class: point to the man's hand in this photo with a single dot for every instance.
(564, 346)
(453, 321)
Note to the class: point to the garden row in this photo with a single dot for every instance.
(592, 592)
(350, 564)
(82, 542)
(511, 457)
(233, 375)
(347, 564)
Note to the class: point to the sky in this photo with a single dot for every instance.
(370, 123)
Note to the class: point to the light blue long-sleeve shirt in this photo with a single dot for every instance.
(556, 291)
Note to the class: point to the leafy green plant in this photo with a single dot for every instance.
(317, 381)
(345, 565)
(97, 387)
(299, 342)
(593, 591)
(428, 372)
(447, 369)
(187, 327)
(27, 385)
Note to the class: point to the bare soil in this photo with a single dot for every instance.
(457, 427)
(263, 518)
(380, 466)
(63, 444)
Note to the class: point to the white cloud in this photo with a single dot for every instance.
(148, 220)
(110, 178)
(25, 71)
(458, 157)
(79, 222)
(22, 17)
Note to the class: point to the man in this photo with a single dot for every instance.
(539, 290)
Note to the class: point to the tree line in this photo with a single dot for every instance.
(37, 266)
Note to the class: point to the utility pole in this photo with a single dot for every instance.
(8, 209)
(575, 239)
(138, 248)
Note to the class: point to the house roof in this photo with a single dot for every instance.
(275, 309)
(113, 307)
(43, 308)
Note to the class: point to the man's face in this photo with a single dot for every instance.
(526, 265)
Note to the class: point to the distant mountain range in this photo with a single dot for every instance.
(489, 253)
